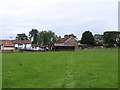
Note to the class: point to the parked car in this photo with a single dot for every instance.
(41, 50)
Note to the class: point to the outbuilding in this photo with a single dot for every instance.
(64, 48)
(66, 44)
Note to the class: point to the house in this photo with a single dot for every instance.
(6, 45)
(20, 44)
(66, 44)
(14, 44)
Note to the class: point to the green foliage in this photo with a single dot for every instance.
(118, 41)
(87, 38)
(47, 38)
(33, 34)
(98, 40)
(80, 69)
(110, 38)
(21, 37)
(72, 35)
(69, 35)
(66, 36)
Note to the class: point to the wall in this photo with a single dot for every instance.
(64, 48)
(28, 45)
(1, 47)
(8, 48)
(10, 51)
(72, 41)
(23, 45)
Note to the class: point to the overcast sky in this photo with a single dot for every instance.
(60, 16)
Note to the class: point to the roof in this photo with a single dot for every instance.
(21, 41)
(7, 43)
(62, 40)
(10, 43)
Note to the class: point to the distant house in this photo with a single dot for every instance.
(22, 44)
(6, 45)
(66, 44)
(13, 44)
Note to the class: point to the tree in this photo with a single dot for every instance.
(66, 36)
(69, 35)
(87, 38)
(59, 37)
(111, 38)
(33, 34)
(21, 37)
(98, 39)
(72, 35)
(47, 38)
(118, 41)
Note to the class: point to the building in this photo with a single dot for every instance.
(6, 45)
(66, 44)
(14, 44)
(20, 44)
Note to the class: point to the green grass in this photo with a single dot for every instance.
(79, 69)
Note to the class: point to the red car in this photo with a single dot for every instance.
(41, 50)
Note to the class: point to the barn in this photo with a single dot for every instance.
(66, 44)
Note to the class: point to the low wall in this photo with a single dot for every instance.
(9, 51)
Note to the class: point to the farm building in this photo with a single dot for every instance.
(66, 44)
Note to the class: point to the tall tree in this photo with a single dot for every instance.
(87, 38)
(21, 36)
(33, 34)
(47, 38)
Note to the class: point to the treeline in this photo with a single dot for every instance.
(49, 38)
(107, 39)
(46, 38)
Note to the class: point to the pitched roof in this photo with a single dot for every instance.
(62, 40)
(10, 43)
(7, 43)
(21, 41)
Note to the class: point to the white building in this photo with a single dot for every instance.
(13, 44)
(22, 44)
(6, 45)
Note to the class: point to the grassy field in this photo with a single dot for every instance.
(79, 69)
